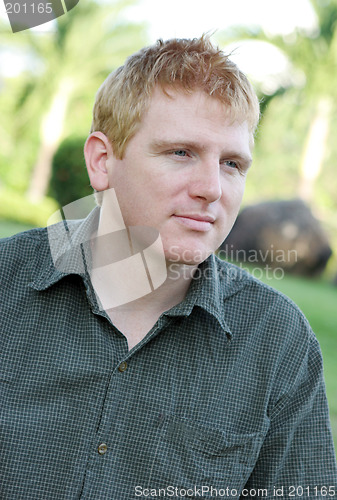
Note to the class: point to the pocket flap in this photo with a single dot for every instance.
(209, 440)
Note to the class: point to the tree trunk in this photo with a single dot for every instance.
(51, 132)
(315, 149)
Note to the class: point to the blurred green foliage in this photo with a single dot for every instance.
(64, 68)
(8, 228)
(278, 149)
(15, 207)
(69, 180)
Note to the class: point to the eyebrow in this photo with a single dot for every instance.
(171, 144)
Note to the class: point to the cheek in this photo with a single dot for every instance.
(232, 193)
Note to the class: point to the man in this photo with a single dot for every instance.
(210, 384)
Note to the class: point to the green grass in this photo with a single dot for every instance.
(316, 298)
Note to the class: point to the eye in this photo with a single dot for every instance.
(180, 152)
(231, 164)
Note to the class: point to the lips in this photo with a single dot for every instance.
(203, 218)
(196, 222)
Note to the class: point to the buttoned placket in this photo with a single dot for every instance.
(102, 447)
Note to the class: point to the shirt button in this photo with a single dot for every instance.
(102, 449)
(123, 366)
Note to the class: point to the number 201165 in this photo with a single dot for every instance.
(300, 491)
(30, 8)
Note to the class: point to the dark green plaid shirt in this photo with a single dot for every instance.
(223, 397)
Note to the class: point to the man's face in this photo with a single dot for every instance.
(183, 173)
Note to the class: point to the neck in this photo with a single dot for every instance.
(129, 269)
(127, 292)
(171, 292)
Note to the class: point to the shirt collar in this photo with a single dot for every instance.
(67, 250)
(214, 282)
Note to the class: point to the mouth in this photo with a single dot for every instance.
(195, 222)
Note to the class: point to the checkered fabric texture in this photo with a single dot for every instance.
(225, 392)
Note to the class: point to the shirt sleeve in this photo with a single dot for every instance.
(297, 457)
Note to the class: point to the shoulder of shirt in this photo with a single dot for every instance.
(30, 237)
(19, 250)
(265, 296)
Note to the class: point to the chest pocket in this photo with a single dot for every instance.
(190, 455)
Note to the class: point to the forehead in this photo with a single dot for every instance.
(170, 97)
(175, 113)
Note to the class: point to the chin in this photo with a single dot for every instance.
(186, 256)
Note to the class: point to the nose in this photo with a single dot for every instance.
(205, 182)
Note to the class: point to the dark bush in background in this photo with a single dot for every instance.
(69, 180)
(281, 233)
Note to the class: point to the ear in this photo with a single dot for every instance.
(97, 152)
